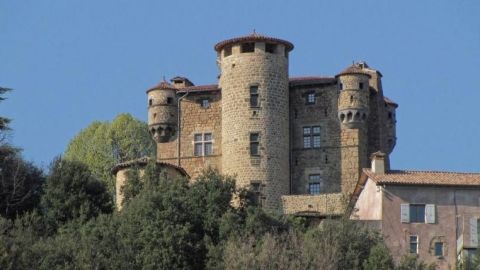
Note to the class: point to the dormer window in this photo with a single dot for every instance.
(248, 47)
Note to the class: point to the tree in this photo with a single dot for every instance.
(379, 258)
(3, 121)
(104, 144)
(20, 183)
(72, 192)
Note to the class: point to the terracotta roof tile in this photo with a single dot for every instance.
(356, 68)
(252, 38)
(200, 88)
(296, 81)
(402, 177)
(163, 85)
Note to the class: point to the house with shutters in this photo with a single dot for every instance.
(432, 214)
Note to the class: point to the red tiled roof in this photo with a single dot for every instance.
(142, 162)
(200, 88)
(389, 101)
(294, 81)
(163, 85)
(252, 38)
(356, 68)
(403, 177)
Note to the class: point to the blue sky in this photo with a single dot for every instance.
(73, 62)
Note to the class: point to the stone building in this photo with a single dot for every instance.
(300, 143)
(433, 215)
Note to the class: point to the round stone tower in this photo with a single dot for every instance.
(255, 114)
(162, 112)
(353, 100)
(353, 110)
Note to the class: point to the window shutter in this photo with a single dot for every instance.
(430, 213)
(473, 232)
(405, 213)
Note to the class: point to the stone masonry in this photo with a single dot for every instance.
(299, 143)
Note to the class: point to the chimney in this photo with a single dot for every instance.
(378, 163)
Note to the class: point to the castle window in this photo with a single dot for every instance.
(205, 103)
(169, 100)
(254, 144)
(254, 96)
(227, 51)
(270, 48)
(310, 98)
(414, 244)
(360, 85)
(311, 137)
(438, 248)
(248, 47)
(202, 144)
(150, 102)
(314, 184)
(341, 86)
(256, 188)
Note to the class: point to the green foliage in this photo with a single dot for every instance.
(20, 183)
(3, 121)
(171, 224)
(379, 258)
(72, 192)
(104, 144)
(411, 262)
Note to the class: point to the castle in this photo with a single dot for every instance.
(299, 143)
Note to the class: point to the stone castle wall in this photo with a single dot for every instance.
(196, 120)
(268, 72)
(283, 165)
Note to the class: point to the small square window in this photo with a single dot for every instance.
(205, 103)
(169, 100)
(310, 98)
(438, 249)
(360, 85)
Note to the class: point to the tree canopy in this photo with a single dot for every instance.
(104, 144)
(3, 120)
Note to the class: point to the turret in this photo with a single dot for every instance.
(162, 112)
(391, 123)
(353, 112)
(255, 114)
(353, 100)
